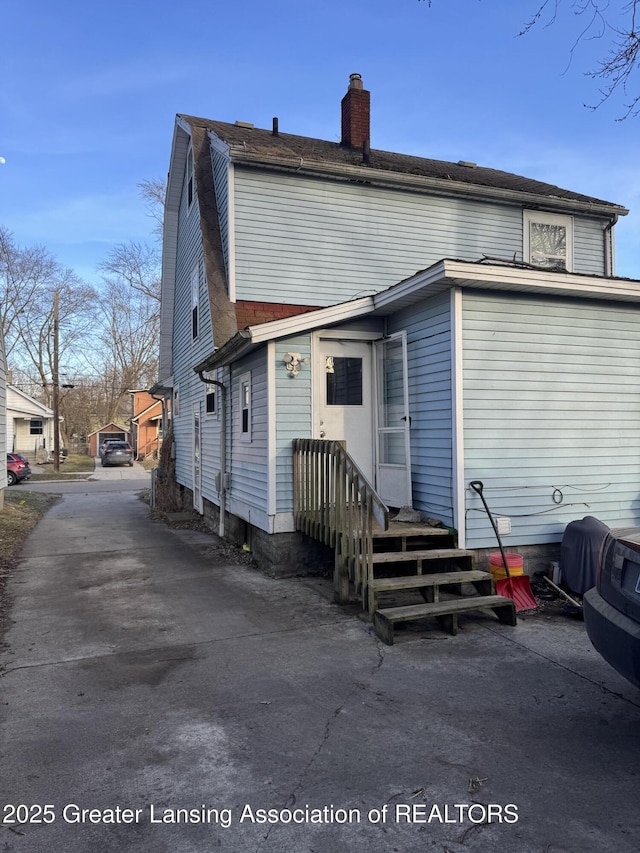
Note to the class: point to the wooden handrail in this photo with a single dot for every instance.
(336, 504)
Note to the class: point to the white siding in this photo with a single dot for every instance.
(552, 414)
(3, 421)
(293, 414)
(428, 328)
(186, 351)
(220, 166)
(321, 242)
(249, 459)
(588, 246)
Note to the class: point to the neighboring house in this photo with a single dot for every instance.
(449, 322)
(3, 417)
(108, 432)
(146, 424)
(30, 426)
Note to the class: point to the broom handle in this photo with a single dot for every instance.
(478, 487)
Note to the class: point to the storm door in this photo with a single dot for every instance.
(393, 464)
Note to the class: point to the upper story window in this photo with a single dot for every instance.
(190, 176)
(195, 293)
(548, 240)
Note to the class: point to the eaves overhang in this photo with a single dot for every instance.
(242, 342)
(421, 183)
(479, 275)
(444, 275)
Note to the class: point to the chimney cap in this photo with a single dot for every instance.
(355, 81)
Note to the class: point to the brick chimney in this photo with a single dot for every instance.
(355, 114)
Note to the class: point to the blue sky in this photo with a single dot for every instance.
(89, 93)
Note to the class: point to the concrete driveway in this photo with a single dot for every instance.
(157, 694)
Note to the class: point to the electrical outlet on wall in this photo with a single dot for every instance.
(504, 525)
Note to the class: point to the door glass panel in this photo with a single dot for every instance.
(391, 391)
(392, 448)
(343, 381)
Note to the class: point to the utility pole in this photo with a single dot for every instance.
(56, 384)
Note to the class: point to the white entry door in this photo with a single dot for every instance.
(393, 468)
(346, 392)
(197, 463)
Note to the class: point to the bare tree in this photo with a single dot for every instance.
(76, 313)
(616, 23)
(24, 275)
(138, 264)
(153, 192)
(28, 279)
(129, 335)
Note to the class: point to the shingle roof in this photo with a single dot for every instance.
(263, 144)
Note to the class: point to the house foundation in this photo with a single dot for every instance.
(278, 555)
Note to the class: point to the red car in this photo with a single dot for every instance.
(17, 468)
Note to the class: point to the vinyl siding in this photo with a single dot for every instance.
(588, 246)
(211, 424)
(428, 330)
(220, 166)
(551, 414)
(249, 459)
(293, 400)
(321, 242)
(187, 351)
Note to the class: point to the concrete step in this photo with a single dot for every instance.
(446, 612)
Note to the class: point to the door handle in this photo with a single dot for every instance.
(322, 433)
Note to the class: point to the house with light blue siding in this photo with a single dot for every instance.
(445, 322)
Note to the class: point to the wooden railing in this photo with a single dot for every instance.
(152, 446)
(335, 503)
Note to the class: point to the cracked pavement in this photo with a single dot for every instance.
(143, 669)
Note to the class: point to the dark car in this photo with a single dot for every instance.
(17, 468)
(612, 607)
(117, 453)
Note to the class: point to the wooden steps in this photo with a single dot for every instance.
(445, 611)
(414, 558)
(420, 557)
(435, 580)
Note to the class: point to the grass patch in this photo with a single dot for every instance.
(21, 512)
(77, 463)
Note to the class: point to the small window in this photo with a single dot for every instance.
(548, 240)
(343, 381)
(210, 399)
(195, 287)
(245, 407)
(190, 176)
(35, 427)
(176, 403)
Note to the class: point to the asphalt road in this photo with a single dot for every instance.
(156, 694)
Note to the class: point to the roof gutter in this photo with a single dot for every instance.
(421, 183)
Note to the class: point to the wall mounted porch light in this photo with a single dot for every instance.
(293, 362)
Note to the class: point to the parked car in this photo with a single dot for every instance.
(108, 441)
(117, 453)
(17, 468)
(612, 606)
